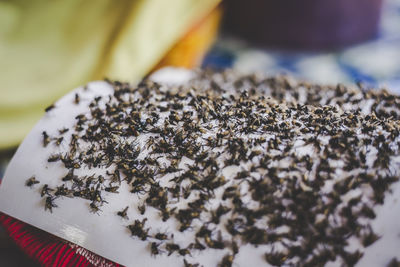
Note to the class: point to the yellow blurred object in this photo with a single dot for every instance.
(50, 47)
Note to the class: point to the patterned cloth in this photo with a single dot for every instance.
(375, 63)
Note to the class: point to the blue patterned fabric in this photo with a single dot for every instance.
(375, 63)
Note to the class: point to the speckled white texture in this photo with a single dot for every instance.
(105, 233)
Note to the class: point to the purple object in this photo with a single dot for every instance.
(304, 24)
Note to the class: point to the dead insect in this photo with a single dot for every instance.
(230, 192)
(160, 236)
(275, 259)
(171, 248)
(59, 140)
(115, 177)
(31, 181)
(216, 215)
(112, 189)
(45, 190)
(235, 248)
(142, 209)
(94, 207)
(63, 131)
(227, 261)
(77, 182)
(351, 258)
(183, 252)
(137, 229)
(62, 191)
(203, 232)
(154, 248)
(49, 203)
(369, 238)
(216, 244)
(77, 99)
(187, 264)
(186, 192)
(69, 176)
(242, 175)
(123, 213)
(367, 212)
(54, 158)
(100, 180)
(255, 235)
(49, 108)
(197, 245)
(166, 213)
(46, 138)
(394, 263)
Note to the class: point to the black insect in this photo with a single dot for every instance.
(76, 99)
(160, 236)
(184, 252)
(94, 207)
(184, 226)
(187, 264)
(54, 158)
(369, 237)
(115, 177)
(112, 189)
(367, 212)
(49, 108)
(62, 191)
(227, 261)
(234, 248)
(197, 245)
(394, 263)
(211, 243)
(351, 258)
(142, 209)
(63, 131)
(59, 140)
(31, 181)
(123, 213)
(69, 176)
(255, 235)
(46, 138)
(171, 248)
(154, 248)
(45, 190)
(137, 229)
(49, 203)
(275, 258)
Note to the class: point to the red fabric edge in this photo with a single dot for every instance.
(48, 250)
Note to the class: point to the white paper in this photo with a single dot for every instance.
(105, 233)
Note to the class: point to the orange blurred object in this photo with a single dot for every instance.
(191, 49)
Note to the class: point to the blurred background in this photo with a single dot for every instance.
(47, 48)
(324, 41)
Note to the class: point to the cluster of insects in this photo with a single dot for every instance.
(285, 141)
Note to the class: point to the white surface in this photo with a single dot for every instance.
(172, 76)
(105, 233)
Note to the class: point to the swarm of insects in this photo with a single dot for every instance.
(283, 140)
